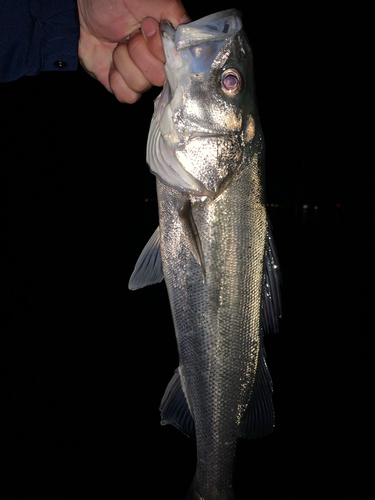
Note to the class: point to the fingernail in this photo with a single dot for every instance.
(149, 27)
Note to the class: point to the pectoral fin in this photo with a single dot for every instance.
(186, 218)
(148, 269)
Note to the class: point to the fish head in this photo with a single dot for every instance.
(206, 117)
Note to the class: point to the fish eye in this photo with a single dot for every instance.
(231, 81)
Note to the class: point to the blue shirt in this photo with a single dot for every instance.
(37, 35)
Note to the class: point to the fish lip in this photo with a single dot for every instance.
(167, 30)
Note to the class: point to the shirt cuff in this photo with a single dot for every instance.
(56, 33)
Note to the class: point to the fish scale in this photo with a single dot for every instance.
(210, 325)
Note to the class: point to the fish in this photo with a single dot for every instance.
(214, 246)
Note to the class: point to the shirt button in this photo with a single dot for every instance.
(60, 64)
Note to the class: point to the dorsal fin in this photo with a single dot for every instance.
(271, 302)
(259, 419)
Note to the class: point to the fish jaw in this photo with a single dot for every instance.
(205, 37)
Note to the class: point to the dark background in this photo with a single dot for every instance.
(86, 361)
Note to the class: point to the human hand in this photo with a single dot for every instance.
(120, 44)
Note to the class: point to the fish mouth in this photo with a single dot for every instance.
(184, 59)
(202, 135)
(213, 28)
(191, 48)
(167, 30)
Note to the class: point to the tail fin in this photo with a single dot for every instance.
(194, 494)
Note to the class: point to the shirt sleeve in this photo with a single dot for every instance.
(37, 35)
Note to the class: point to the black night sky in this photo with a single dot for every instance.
(86, 361)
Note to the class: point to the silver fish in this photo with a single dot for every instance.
(214, 245)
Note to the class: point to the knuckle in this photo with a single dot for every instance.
(130, 99)
(157, 76)
(143, 86)
(126, 96)
(136, 44)
(121, 90)
(120, 53)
